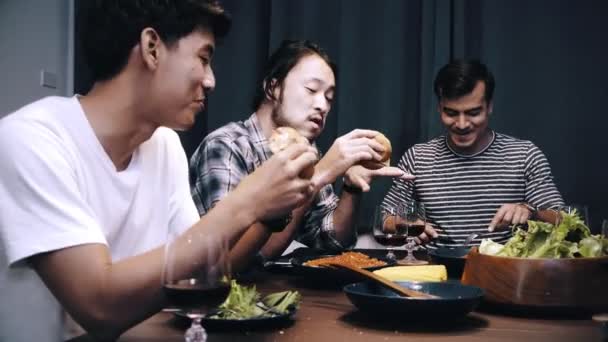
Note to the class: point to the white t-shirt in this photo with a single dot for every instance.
(59, 188)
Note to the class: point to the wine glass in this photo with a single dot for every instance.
(387, 229)
(414, 219)
(196, 276)
(581, 210)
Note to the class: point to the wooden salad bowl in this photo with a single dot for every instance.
(578, 285)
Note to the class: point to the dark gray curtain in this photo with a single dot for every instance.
(548, 56)
(384, 51)
(549, 59)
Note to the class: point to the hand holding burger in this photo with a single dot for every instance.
(386, 155)
(282, 137)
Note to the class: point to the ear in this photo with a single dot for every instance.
(490, 108)
(274, 91)
(150, 45)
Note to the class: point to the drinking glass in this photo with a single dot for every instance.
(388, 230)
(196, 276)
(581, 210)
(414, 219)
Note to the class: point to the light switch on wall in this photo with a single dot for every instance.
(48, 79)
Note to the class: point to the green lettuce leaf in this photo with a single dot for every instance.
(569, 239)
(591, 246)
(244, 302)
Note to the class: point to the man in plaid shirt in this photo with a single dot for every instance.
(297, 91)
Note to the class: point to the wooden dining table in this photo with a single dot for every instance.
(326, 314)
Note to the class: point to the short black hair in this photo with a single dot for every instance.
(459, 77)
(113, 28)
(280, 64)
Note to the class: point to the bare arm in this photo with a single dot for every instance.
(517, 213)
(358, 177)
(259, 237)
(94, 290)
(344, 217)
(279, 241)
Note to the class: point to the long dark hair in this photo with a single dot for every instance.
(281, 62)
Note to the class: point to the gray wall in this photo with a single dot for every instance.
(35, 35)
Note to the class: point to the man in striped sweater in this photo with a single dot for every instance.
(473, 179)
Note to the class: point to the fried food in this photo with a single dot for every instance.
(355, 259)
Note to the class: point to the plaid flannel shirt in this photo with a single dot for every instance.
(229, 154)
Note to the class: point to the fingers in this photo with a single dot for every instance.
(522, 215)
(507, 218)
(305, 195)
(362, 133)
(391, 171)
(356, 176)
(295, 150)
(373, 144)
(497, 218)
(423, 238)
(357, 148)
(509, 214)
(302, 161)
(430, 231)
(361, 183)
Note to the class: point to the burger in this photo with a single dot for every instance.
(282, 137)
(386, 155)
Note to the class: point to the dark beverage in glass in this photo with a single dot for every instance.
(414, 216)
(415, 229)
(197, 285)
(391, 240)
(196, 296)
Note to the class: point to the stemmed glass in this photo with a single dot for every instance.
(414, 219)
(581, 210)
(388, 230)
(196, 276)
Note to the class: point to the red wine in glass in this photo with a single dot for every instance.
(198, 284)
(391, 240)
(196, 296)
(415, 229)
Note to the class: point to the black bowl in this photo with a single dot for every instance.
(454, 259)
(455, 300)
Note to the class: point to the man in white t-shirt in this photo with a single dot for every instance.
(91, 185)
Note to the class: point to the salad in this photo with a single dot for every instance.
(571, 238)
(246, 302)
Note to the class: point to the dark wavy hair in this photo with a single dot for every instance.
(113, 28)
(281, 62)
(459, 77)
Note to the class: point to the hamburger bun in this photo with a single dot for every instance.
(386, 155)
(282, 137)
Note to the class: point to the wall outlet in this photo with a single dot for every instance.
(48, 79)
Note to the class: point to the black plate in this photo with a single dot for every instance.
(256, 323)
(453, 259)
(328, 275)
(456, 300)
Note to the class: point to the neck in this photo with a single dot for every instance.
(264, 114)
(117, 118)
(478, 147)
